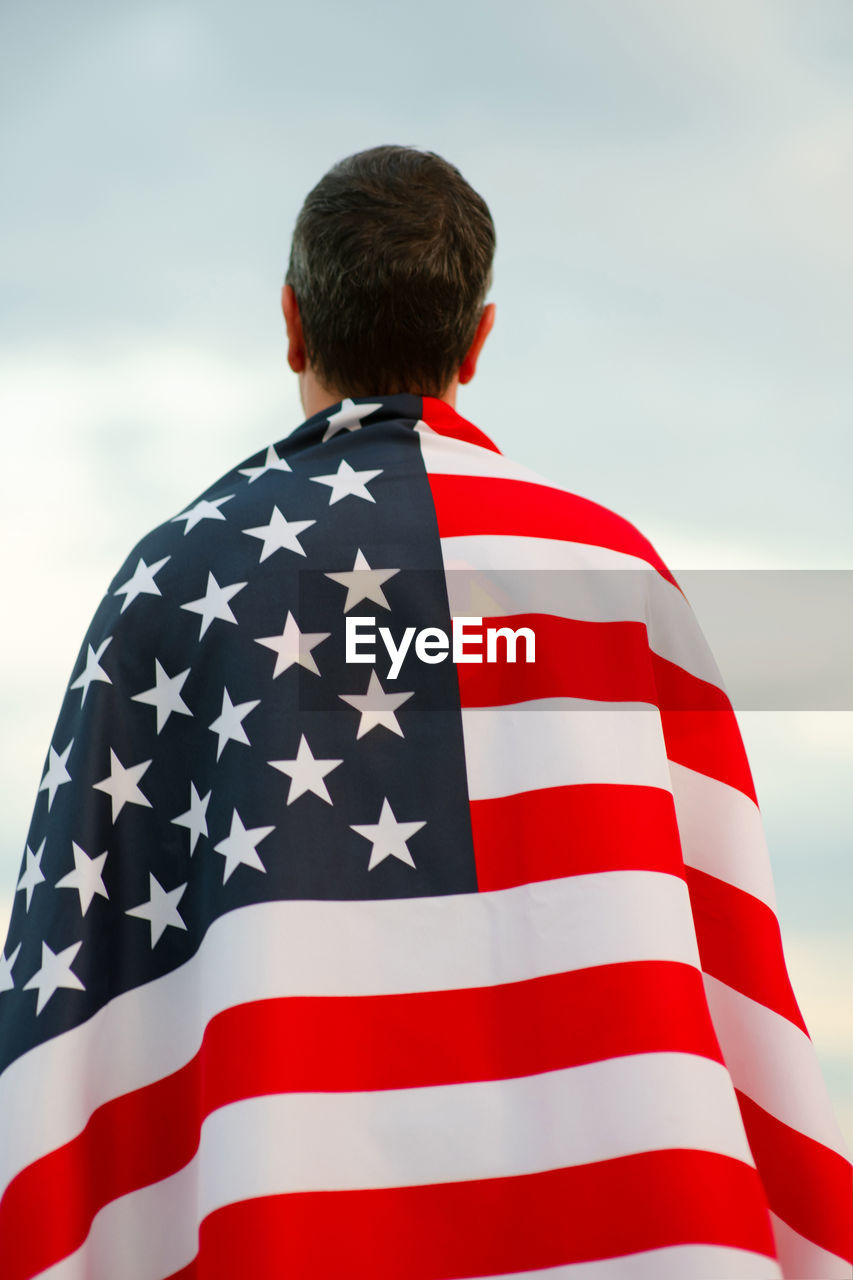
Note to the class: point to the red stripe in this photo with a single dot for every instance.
(488, 505)
(709, 742)
(740, 943)
(607, 661)
(611, 662)
(447, 422)
(576, 830)
(489, 1227)
(704, 735)
(808, 1185)
(346, 1043)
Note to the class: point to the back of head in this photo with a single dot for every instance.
(390, 264)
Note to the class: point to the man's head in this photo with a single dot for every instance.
(389, 268)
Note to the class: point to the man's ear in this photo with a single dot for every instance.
(468, 367)
(293, 323)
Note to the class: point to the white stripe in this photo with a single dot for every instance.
(503, 574)
(803, 1260)
(445, 455)
(146, 1235)
(280, 1144)
(677, 1262)
(461, 1132)
(722, 833)
(554, 742)
(773, 1063)
(335, 948)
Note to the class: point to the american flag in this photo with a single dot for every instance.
(469, 972)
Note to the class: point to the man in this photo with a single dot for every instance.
(395, 903)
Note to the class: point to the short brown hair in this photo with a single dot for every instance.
(390, 262)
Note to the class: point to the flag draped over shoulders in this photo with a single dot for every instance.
(333, 956)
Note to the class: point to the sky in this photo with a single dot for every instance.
(673, 190)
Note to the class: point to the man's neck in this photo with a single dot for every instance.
(316, 397)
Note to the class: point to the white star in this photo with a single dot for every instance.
(214, 603)
(55, 972)
(293, 646)
(142, 583)
(165, 695)
(363, 583)
(161, 909)
(228, 725)
(306, 773)
(56, 773)
(122, 786)
(7, 964)
(86, 877)
(348, 417)
(239, 846)
(272, 462)
(32, 873)
(195, 818)
(203, 510)
(280, 534)
(388, 837)
(347, 483)
(93, 670)
(376, 706)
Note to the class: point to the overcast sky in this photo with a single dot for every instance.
(672, 188)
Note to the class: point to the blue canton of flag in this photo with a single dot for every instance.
(207, 774)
